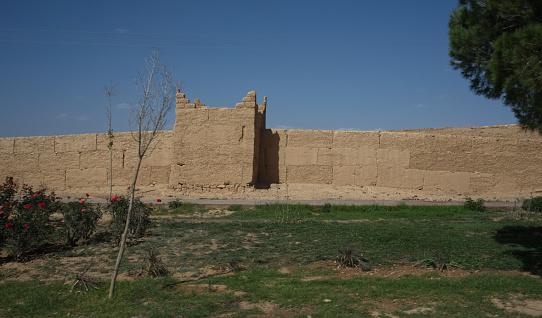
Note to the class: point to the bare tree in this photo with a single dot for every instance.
(156, 91)
(109, 91)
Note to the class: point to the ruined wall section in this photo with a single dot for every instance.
(440, 164)
(83, 161)
(216, 147)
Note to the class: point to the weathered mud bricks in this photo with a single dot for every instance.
(228, 148)
(216, 146)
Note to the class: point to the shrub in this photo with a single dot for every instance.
(7, 196)
(477, 206)
(139, 221)
(532, 204)
(79, 220)
(28, 226)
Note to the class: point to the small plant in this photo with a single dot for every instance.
(175, 204)
(477, 206)
(438, 261)
(152, 265)
(235, 208)
(532, 205)
(326, 208)
(235, 266)
(79, 220)
(83, 282)
(118, 208)
(351, 257)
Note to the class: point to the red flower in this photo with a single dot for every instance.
(68, 197)
(114, 199)
(82, 201)
(87, 195)
(41, 205)
(35, 196)
(7, 205)
(39, 192)
(28, 206)
(8, 225)
(158, 200)
(83, 210)
(57, 198)
(26, 225)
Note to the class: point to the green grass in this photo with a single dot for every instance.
(356, 297)
(269, 237)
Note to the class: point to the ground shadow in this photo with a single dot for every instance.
(527, 237)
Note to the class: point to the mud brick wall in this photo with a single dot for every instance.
(216, 147)
(451, 164)
(230, 147)
(82, 161)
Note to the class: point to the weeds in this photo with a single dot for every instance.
(83, 282)
(351, 257)
(533, 204)
(152, 265)
(438, 261)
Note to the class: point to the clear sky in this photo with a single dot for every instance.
(341, 64)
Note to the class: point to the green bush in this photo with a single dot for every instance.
(28, 226)
(477, 206)
(79, 220)
(533, 204)
(139, 221)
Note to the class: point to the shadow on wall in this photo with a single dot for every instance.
(269, 172)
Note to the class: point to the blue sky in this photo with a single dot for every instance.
(342, 64)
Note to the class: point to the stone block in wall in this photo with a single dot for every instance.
(55, 161)
(195, 116)
(326, 156)
(75, 143)
(50, 179)
(506, 185)
(7, 145)
(445, 181)
(366, 175)
(86, 178)
(310, 138)
(344, 175)
(401, 140)
(144, 176)
(309, 174)
(443, 153)
(96, 159)
(42, 144)
(390, 176)
(356, 139)
(496, 155)
(160, 174)
(274, 138)
(300, 156)
(222, 116)
(482, 182)
(392, 158)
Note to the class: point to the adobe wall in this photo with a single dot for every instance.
(228, 152)
(83, 161)
(216, 147)
(433, 163)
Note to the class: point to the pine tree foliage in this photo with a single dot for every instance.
(497, 45)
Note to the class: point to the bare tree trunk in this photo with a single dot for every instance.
(125, 233)
(156, 91)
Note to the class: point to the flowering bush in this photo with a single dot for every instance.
(139, 221)
(27, 224)
(79, 220)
